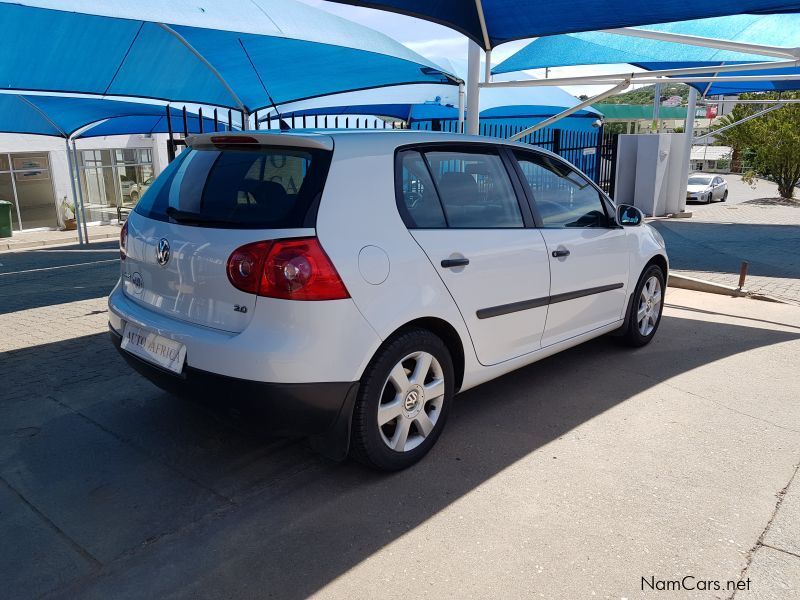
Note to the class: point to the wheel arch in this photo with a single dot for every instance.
(661, 262)
(447, 333)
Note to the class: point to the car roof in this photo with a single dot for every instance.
(325, 139)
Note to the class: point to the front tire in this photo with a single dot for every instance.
(646, 307)
(403, 401)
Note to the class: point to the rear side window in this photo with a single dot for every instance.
(269, 188)
(475, 190)
(456, 189)
(420, 201)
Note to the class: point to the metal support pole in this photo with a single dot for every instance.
(743, 274)
(80, 192)
(487, 73)
(689, 135)
(461, 106)
(78, 217)
(760, 113)
(473, 91)
(171, 140)
(657, 107)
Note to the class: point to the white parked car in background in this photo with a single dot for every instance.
(706, 188)
(351, 283)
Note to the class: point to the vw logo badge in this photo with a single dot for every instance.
(411, 400)
(162, 252)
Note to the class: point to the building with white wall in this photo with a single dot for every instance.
(114, 172)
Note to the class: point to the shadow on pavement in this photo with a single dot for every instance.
(49, 276)
(149, 496)
(771, 250)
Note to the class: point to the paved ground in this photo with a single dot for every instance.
(713, 243)
(573, 478)
(38, 239)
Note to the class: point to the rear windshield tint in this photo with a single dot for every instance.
(269, 188)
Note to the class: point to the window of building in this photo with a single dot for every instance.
(26, 182)
(114, 181)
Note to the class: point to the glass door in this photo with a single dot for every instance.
(25, 181)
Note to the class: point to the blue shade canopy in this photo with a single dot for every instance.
(426, 112)
(508, 20)
(596, 48)
(599, 48)
(401, 111)
(63, 116)
(232, 53)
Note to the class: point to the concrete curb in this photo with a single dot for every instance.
(701, 285)
(33, 244)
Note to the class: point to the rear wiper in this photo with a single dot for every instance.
(183, 216)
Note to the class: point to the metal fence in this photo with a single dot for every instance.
(593, 152)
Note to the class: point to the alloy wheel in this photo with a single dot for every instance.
(411, 401)
(649, 306)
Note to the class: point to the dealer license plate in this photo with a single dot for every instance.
(157, 349)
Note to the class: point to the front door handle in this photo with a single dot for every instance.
(560, 253)
(449, 263)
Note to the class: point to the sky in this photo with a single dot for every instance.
(436, 42)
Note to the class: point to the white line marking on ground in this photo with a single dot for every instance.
(95, 262)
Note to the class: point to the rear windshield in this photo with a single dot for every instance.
(269, 188)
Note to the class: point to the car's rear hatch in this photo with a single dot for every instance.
(226, 191)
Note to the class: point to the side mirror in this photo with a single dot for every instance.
(629, 216)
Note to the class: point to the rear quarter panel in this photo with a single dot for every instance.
(358, 209)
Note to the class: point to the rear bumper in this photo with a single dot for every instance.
(322, 411)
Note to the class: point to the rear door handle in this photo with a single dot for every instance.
(560, 253)
(449, 263)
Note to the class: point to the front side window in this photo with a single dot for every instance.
(474, 189)
(563, 197)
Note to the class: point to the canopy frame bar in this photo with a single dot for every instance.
(760, 113)
(43, 114)
(694, 40)
(616, 77)
(735, 101)
(487, 44)
(571, 110)
(206, 63)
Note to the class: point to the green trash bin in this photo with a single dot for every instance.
(5, 219)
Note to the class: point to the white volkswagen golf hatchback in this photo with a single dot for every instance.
(350, 283)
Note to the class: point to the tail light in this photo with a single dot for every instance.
(123, 242)
(294, 269)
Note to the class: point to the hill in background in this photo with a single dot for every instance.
(645, 95)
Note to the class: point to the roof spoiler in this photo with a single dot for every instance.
(250, 138)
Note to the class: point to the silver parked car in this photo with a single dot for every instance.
(706, 188)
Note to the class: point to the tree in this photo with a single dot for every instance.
(771, 142)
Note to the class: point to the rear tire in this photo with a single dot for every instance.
(403, 401)
(646, 307)
(725, 196)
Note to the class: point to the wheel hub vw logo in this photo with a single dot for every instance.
(411, 399)
(163, 252)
